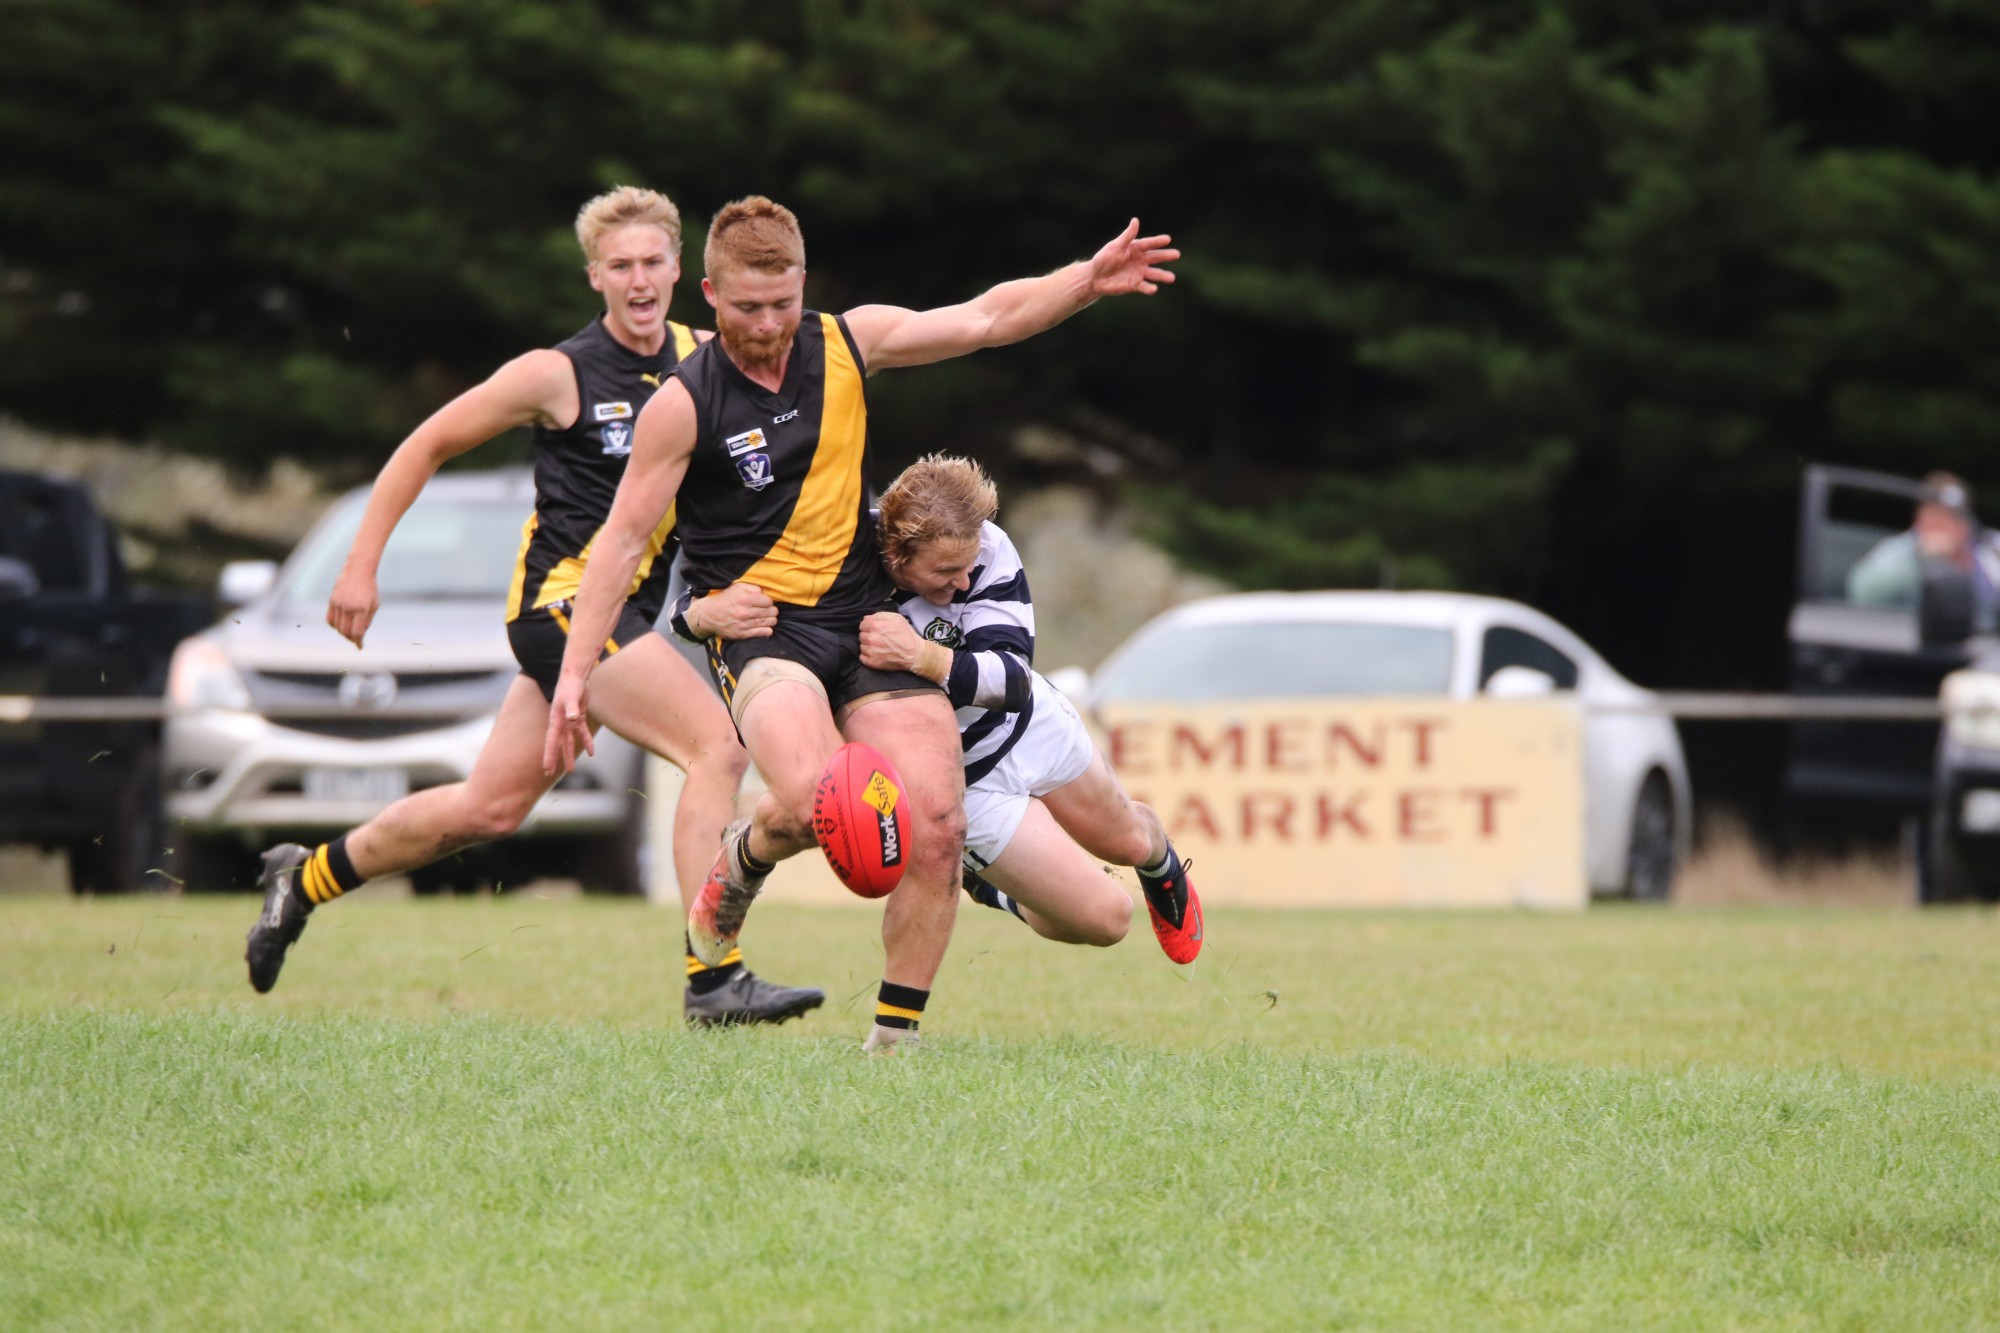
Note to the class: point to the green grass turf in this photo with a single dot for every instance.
(485, 1114)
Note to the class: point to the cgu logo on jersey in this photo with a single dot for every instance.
(755, 469)
(617, 439)
(943, 631)
(744, 443)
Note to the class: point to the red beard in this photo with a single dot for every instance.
(749, 350)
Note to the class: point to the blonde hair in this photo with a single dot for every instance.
(937, 498)
(626, 206)
(754, 233)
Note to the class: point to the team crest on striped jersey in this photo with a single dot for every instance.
(617, 439)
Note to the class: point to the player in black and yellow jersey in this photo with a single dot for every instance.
(761, 440)
(583, 398)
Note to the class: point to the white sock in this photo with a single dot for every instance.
(886, 1041)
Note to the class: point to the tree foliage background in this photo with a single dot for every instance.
(1543, 297)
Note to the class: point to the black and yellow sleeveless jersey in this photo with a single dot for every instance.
(775, 494)
(578, 467)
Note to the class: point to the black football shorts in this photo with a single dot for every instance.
(831, 652)
(539, 638)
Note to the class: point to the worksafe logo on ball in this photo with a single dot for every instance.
(881, 794)
(744, 443)
(617, 439)
(755, 469)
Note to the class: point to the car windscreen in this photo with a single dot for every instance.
(1282, 660)
(443, 550)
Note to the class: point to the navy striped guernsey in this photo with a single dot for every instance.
(990, 628)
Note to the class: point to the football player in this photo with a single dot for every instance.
(761, 441)
(581, 397)
(1042, 806)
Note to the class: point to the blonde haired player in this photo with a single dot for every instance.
(761, 441)
(582, 398)
(1042, 806)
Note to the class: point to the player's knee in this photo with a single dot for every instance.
(1109, 919)
(722, 764)
(492, 818)
(942, 840)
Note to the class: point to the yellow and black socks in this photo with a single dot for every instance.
(703, 979)
(900, 1008)
(1165, 886)
(747, 867)
(328, 873)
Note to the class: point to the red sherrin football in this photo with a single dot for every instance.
(862, 819)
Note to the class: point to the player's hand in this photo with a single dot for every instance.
(740, 611)
(1131, 263)
(569, 727)
(889, 644)
(352, 607)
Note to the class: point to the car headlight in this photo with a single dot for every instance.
(1971, 702)
(202, 676)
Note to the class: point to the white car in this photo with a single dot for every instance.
(1413, 644)
(284, 730)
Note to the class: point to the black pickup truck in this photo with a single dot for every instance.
(72, 626)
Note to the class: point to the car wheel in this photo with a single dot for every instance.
(211, 864)
(615, 863)
(456, 874)
(1946, 872)
(126, 855)
(1649, 861)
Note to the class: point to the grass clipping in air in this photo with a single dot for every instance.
(486, 1114)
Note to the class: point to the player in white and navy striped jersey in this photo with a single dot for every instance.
(1042, 806)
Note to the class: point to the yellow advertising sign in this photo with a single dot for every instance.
(1365, 803)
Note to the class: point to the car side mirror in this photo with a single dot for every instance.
(245, 581)
(17, 580)
(1946, 605)
(1519, 682)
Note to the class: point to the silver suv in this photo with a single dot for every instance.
(284, 730)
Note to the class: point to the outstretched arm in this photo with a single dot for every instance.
(530, 388)
(892, 336)
(662, 442)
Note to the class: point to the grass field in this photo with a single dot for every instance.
(486, 1114)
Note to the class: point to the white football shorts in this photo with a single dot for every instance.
(1055, 751)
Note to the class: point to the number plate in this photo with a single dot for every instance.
(378, 786)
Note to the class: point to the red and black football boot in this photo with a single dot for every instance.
(1175, 909)
(716, 918)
